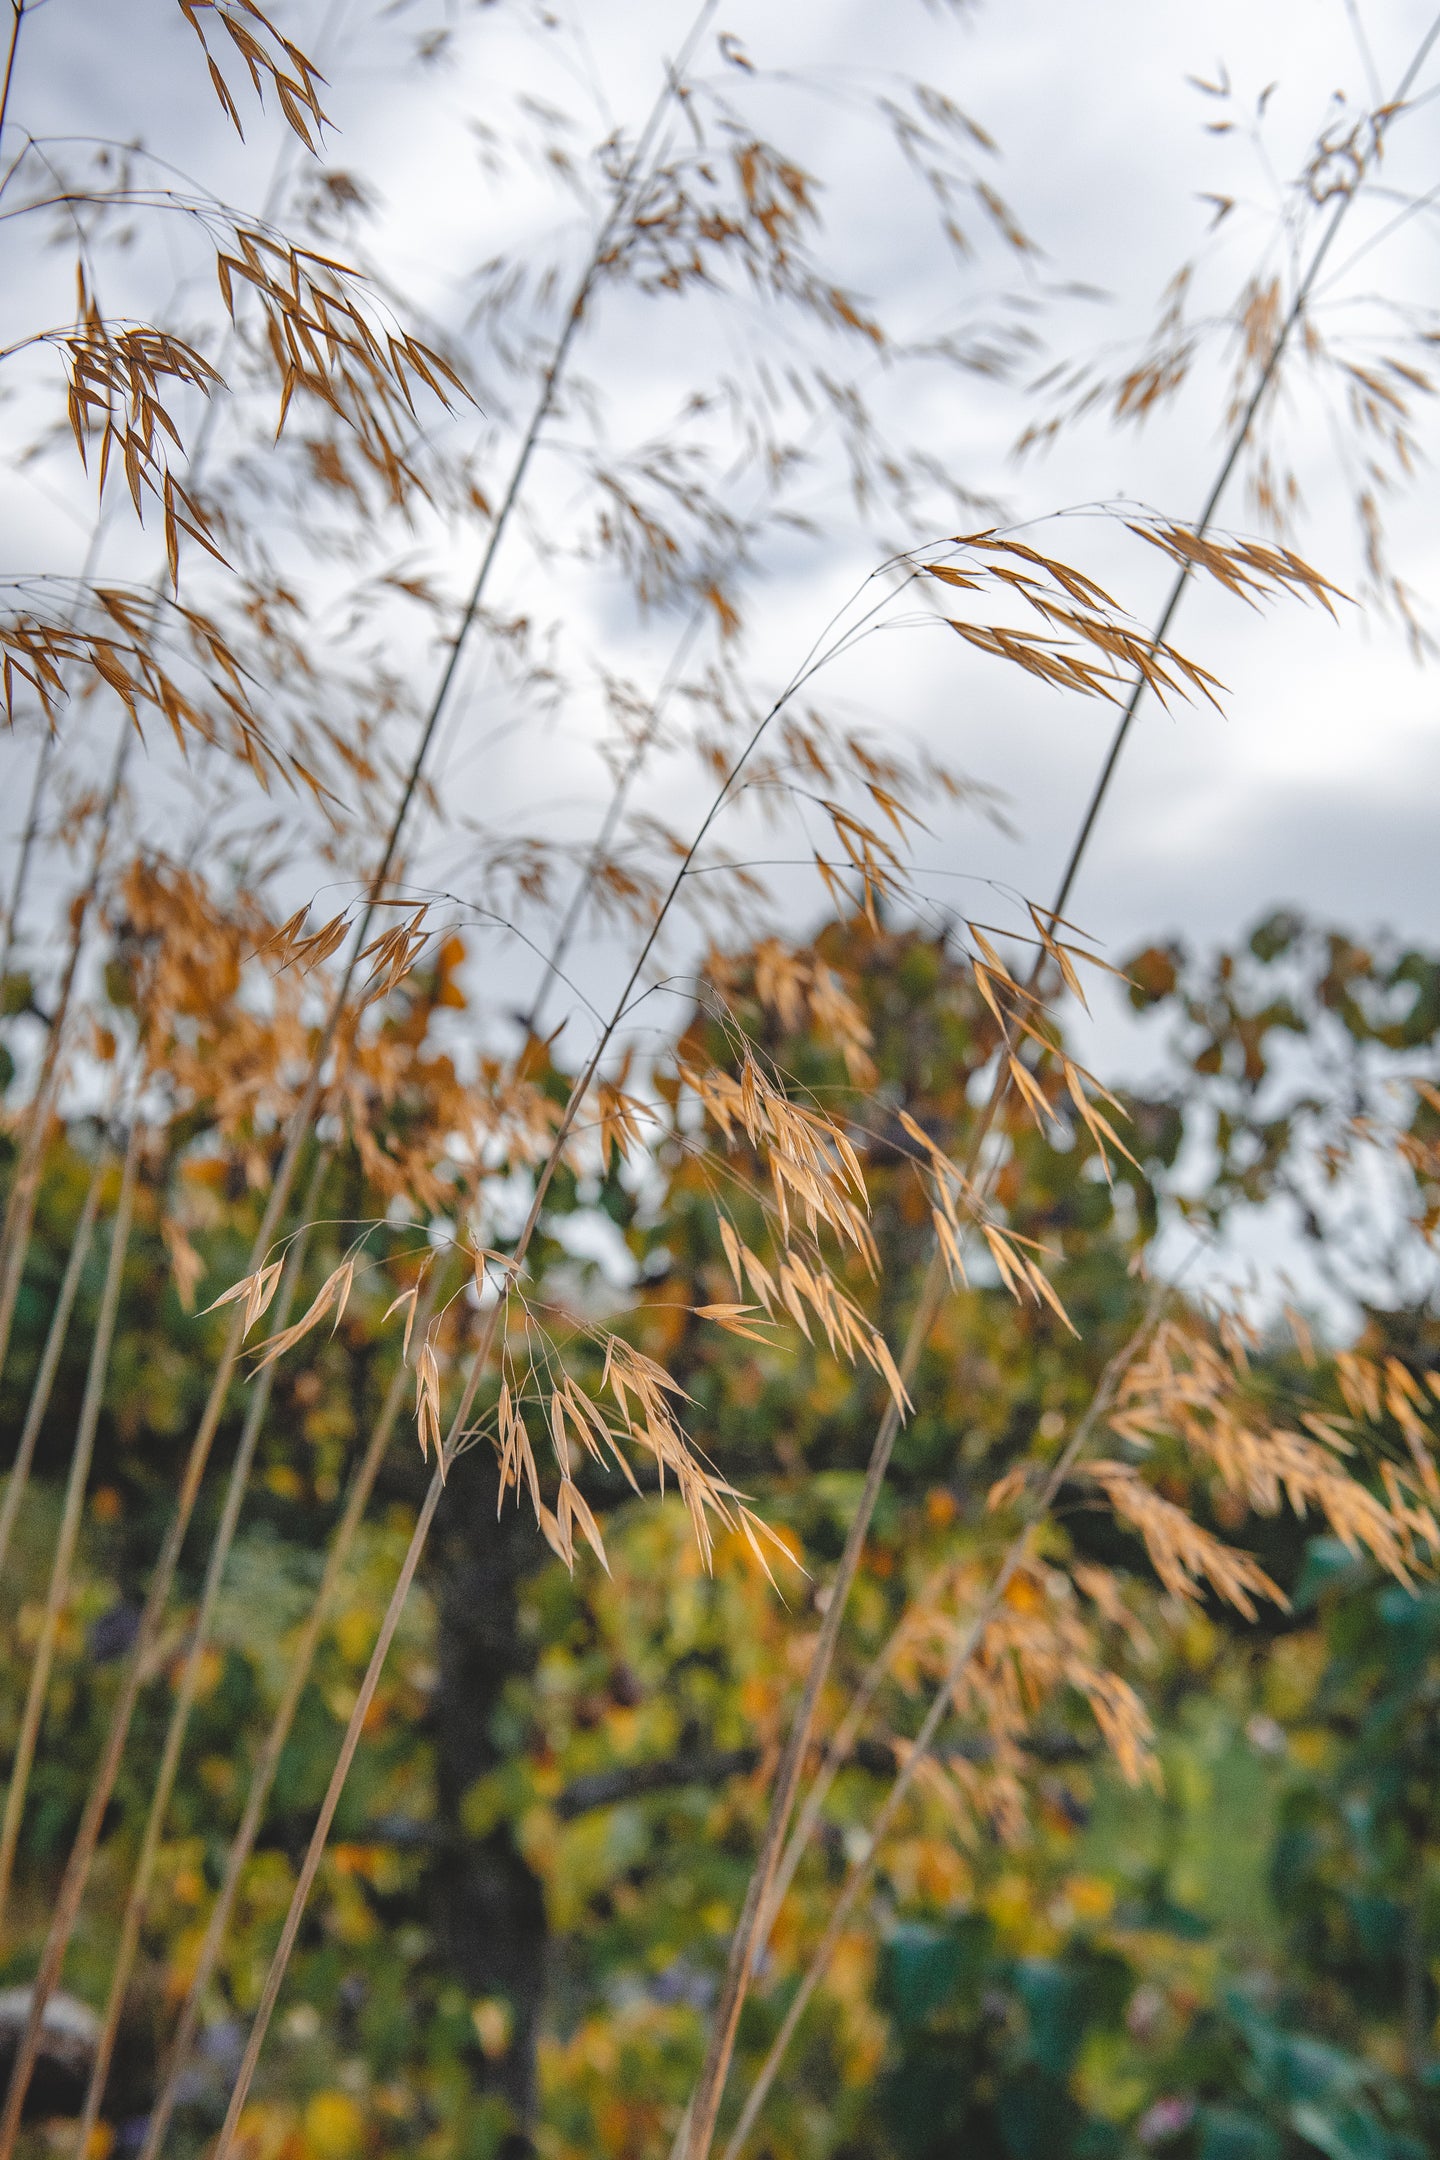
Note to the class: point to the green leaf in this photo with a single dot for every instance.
(1055, 2003)
(1226, 2134)
(922, 1968)
(1343, 2134)
(1038, 2119)
(1328, 1565)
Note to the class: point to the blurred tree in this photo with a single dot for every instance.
(551, 1822)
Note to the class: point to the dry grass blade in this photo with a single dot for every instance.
(115, 375)
(328, 344)
(1186, 1557)
(1166, 1379)
(268, 57)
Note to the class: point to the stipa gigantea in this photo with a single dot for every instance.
(325, 344)
(1297, 337)
(1183, 1388)
(966, 1645)
(793, 1143)
(95, 1390)
(753, 167)
(78, 1866)
(868, 863)
(131, 678)
(1175, 1378)
(40, 1393)
(790, 1137)
(41, 782)
(21, 1205)
(691, 231)
(647, 720)
(121, 687)
(22, 1208)
(921, 1865)
(869, 872)
(698, 2130)
(841, 1743)
(24, 1190)
(264, 280)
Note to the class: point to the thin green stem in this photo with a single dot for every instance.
(747, 1940)
(19, 1213)
(837, 1754)
(102, 1784)
(1227, 469)
(319, 1836)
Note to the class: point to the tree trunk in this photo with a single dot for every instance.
(488, 1908)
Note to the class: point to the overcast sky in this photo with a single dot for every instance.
(1316, 786)
(1320, 782)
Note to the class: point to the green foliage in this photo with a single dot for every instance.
(1236, 1967)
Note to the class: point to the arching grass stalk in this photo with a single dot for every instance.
(24, 1191)
(162, 1576)
(40, 1393)
(20, 1202)
(17, 15)
(748, 1940)
(838, 1750)
(640, 749)
(965, 1648)
(30, 832)
(72, 1887)
(58, 1593)
(28, 835)
(458, 1433)
(184, 1700)
(614, 812)
(301, 1659)
(698, 2129)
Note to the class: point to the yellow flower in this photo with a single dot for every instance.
(334, 2128)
